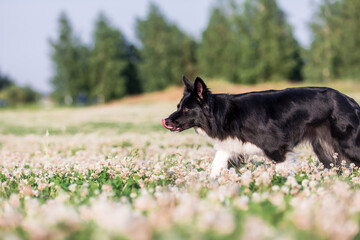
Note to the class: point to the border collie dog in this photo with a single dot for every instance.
(270, 123)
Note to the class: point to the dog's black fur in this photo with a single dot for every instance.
(275, 120)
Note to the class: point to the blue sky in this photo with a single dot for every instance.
(26, 26)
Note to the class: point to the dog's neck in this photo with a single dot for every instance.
(216, 118)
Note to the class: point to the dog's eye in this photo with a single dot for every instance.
(184, 109)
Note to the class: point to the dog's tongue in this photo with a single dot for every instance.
(164, 124)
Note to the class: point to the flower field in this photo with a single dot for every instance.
(113, 172)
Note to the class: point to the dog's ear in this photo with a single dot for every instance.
(189, 86)
(200, 89)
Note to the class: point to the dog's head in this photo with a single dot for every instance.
(192, 108)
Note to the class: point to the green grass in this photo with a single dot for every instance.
(7, 128)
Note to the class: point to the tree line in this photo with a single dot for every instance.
(245, 42)
(11, 94)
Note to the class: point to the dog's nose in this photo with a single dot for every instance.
(165, 122)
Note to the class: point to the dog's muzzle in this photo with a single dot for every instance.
(169, 125)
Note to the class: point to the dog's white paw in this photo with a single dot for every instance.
(220, 162)
(214, 173)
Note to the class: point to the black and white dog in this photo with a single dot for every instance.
(271, 122)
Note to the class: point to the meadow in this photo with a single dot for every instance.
(112, 172)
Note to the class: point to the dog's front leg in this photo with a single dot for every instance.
(220, 161)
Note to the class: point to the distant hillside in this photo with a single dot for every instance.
(174, 94)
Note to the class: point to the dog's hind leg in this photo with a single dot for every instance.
(346, 134)
(323, 151)
(351, 146)
(351, 151)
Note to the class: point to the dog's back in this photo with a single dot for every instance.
(278, 120)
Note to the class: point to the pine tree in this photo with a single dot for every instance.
(324, 58)
(269, 45)
(214, 53)
(166, 52)
(334, 52)
(348, 39)
(280, 48)
(112, 61)
(5, 81)
(249, 43)
(70, 64)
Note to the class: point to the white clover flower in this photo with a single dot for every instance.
(35, 193)
(291, 181)
(313, 184)
(106, 188)
(277, 199)
(41, 186)
(285, 189)
(255, 228)
(224, 223)
(144, 203)
(14, 200)
(305, 183)
(72, 187)
(264, 178)
(246, 178)
(256, 197)
(324, 202)
(275, 188)
(242, 202)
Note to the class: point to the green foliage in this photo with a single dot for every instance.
(218, 55)
(113, 72)
(69, 56)
(10, 94)
(5, 81)
(245, 42)
(166, 52)
(256, 43)
(13, 128)
(19, 95)
(334, 52)
(103, 72)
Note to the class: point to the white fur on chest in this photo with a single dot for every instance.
(232, 146)
(226, 149)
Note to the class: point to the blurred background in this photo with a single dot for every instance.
(87, 52)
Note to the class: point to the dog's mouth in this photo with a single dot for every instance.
(172, 128)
